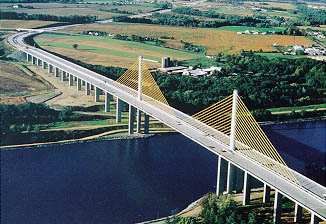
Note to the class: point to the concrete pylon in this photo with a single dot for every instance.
(277, 207)
(131, 122)
(63, 76)
(44, 65)
(57, 72)
(50, 68)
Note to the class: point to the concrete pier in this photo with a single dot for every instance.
(50, 68)
(63, 76)
(119, 110)
(44, 65)
(57, 72)
(277, 207)
(246, 188)
(267, 193)
(297, 213)
(34, 59)
(39, 62)
(108, 98)
(138, 121)
(146, 124)
(88, 89)
(83, 82)
(97, 94)
(71, 80)
(315, 219)
(221, 176)
(231, 178)
(131, 122)
(78, 84)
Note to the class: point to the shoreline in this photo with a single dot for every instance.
(121, 134)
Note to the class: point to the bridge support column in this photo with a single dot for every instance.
(138, 121)
(267, 193)
(108, 98)
(239, 181)
(92, 87)
(221, 176)
(83, 82)
(63, 76)
(297, 213)
(146, 124)
(97, 94)
(44, 65)
(75, 78)
(57, 72)
(88, 89)
(71, 80)
(27, 57)
(39, 62)
(231, 178)
(277, 207)
(131, 119)
(314, 219)
(34, 60)
(246, 188)
(78, 84)
(119, 110)
(50, 68)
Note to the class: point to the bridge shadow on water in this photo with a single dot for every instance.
(301, 157)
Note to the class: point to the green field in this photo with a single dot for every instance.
(279, 55)
(244, 28)
(309, 107)
(110, 46)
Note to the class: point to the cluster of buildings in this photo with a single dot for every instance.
(189, 71)
(318, 35)
(312, 51)
(252, 32)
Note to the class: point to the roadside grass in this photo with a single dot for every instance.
(298, 108)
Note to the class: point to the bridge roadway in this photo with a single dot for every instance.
(309, 195)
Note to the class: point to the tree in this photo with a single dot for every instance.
(75, 46)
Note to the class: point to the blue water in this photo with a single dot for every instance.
(124, 181)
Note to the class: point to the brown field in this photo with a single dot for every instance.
(15, 83)
(26, 24)
(74, 9)
(213, 40)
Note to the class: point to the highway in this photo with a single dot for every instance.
(308, 194)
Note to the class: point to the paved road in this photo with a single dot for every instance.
(309, 195)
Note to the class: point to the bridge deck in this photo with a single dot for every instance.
(309, 195)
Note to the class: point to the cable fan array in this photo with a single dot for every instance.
(250, 139)
(151, 93)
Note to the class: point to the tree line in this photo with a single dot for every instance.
(46, 17)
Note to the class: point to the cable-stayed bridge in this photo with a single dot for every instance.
(226, 128)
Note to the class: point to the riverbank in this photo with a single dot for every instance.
(106, 136)
(298, 120)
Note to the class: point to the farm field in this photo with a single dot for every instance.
(26, 24)
(108, 51)
(213, 40)
(102, 11)
(244, 28)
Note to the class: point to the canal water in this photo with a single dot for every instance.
(126, 181)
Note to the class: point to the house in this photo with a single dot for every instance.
(212, 69)
(195, 73)
(15, 6)
(297, 48)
